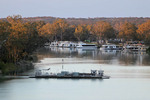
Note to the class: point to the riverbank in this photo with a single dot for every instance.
(15, 69)
(148, 51)
(18, 67)
(10, 71)
(2, 79)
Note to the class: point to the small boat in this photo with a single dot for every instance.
(95, 74)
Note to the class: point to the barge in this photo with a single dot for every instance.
(95, 74)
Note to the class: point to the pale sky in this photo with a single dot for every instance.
(75, 8)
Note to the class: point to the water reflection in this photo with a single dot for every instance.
(105, 56)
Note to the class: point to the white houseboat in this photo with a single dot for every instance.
(111, 47)
(54, 44)
(65, 44)
(70, 44)
(135, 46)
(85, 45)
(141, 48)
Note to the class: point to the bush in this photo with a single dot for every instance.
(148, 50)
(8, 68)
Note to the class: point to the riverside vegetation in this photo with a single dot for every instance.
(20, 38)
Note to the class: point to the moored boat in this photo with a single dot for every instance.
(85, 45)
(136, 47)
(111, 47)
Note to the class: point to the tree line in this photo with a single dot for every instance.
(76, 21)
(19, 38)
(60, 30)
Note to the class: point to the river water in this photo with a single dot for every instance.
(129, 72)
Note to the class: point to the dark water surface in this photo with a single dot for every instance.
(129, 71)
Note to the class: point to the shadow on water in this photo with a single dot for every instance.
(64, 79)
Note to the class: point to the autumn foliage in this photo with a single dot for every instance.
(128, 31)
(19, 38)
(144, 31)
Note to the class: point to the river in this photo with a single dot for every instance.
(129, 76)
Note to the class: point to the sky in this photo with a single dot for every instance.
(75, 8)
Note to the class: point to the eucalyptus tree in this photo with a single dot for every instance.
(103, 30)
(128, 31)
(144, 31)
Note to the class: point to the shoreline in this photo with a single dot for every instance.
(20, 67)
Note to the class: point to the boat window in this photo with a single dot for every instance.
(111, 46)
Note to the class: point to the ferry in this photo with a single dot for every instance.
(95, 74)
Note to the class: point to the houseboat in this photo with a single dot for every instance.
(65, 44)
(85, 45)
(95, 74)
(54, 44)
(135, 46)
(140, 48)
(111, 47)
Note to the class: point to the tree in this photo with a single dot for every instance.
(68, 35)
(59, 26)
(17, 38)
(22, 40)
(33, 38)
(54, 31)
(103, 30)
(38, 25)
(117, 28)
(4, 31)
(82, 32)
(14, 19)
(48, 31)
(92, 37)
(78, 32)
(128, 31)
(144, 31)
